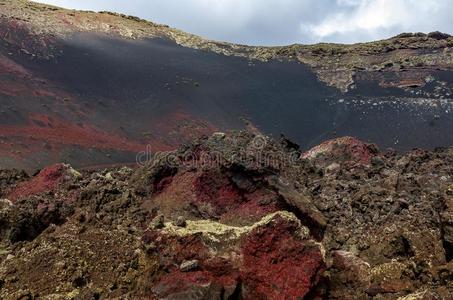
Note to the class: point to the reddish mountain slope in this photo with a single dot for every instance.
(96, 88)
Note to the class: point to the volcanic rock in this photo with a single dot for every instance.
(188, 266)
(267, 270)
(374, 228)
(180, 222)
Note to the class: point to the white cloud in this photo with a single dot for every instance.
(378, 18)
(270, 22)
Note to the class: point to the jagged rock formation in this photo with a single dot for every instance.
(235, 216)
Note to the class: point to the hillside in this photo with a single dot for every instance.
(96, 88)
(138, 161)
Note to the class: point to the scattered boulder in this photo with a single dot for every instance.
(180, 222)
(189, 265)
(348, 273)
(341, 150)
(157, 222)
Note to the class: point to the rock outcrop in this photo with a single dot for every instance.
(234, 216)
(273, 258)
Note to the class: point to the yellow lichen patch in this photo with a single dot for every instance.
(388, 271)
(73, 172)
(216, 232)
(415, 296)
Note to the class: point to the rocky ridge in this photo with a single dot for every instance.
(335, 64)
(235, 216)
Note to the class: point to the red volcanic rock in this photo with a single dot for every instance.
(234, 194)
(348, 272)
(217, 190)
(255, 206)
(47, 180)
(191, 285)
(210, 278)
(230, 202)
(212, 195)
(343, 149)
(278, 264)
(272, 259)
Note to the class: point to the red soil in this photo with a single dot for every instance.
(47, 180)
(179, 126)
(7, 66)
(56, 131)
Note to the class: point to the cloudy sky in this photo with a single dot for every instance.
(279, 22)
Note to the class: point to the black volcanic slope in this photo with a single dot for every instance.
(151, 78)
(102, 99)
(148, 79)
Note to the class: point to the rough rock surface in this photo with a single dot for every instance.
(235, 216)
(272, 258)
